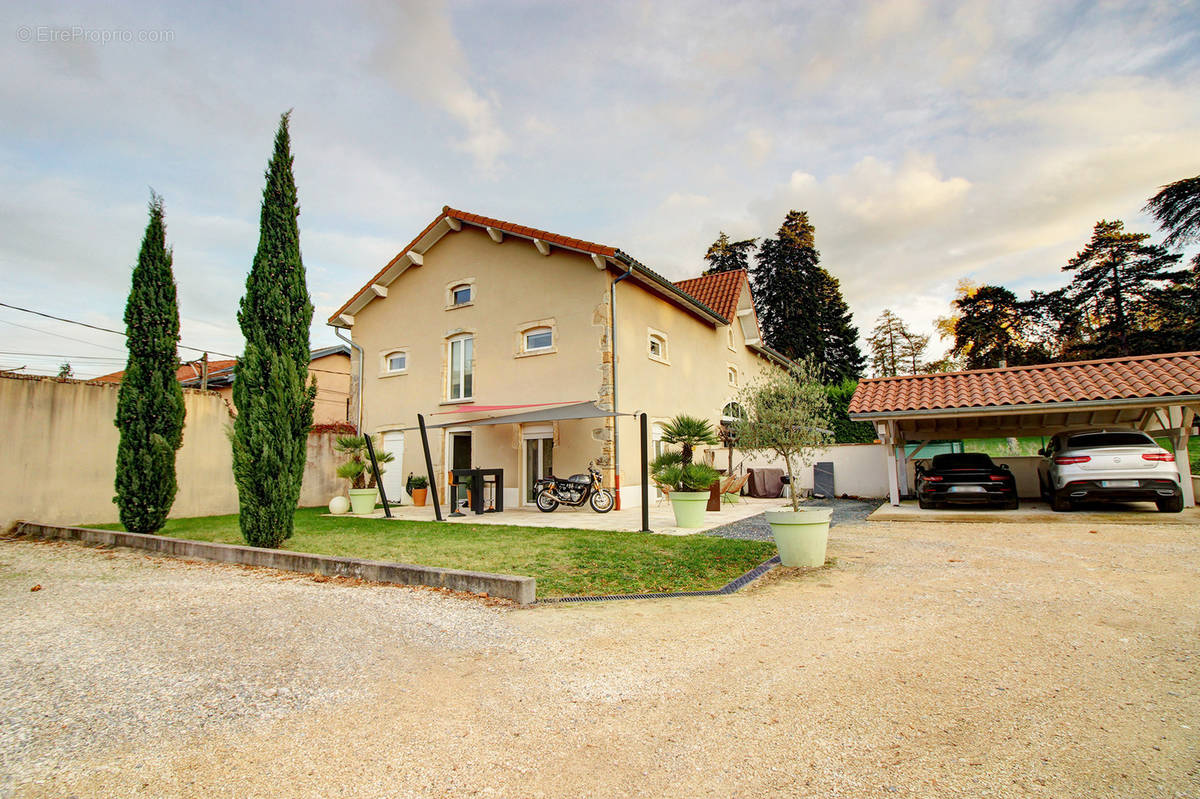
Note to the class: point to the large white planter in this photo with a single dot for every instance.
(801, 536)
(689, 508)
(362, 500)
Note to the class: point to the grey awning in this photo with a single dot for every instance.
(579, 410)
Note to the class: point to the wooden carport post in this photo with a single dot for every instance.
(893, 469)
(1179, 441)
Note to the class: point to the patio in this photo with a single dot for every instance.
(662, 518)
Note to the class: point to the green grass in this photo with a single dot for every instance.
(565, 562)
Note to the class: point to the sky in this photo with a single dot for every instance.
(929, 142)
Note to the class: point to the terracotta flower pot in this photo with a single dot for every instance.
(419, 495)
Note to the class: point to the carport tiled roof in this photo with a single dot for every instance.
(719, 292)
(1135, 377)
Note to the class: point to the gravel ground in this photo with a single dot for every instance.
(930, 661)
(845, 511)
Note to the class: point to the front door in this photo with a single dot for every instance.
(539, 462)
(393, 473)
(460, 458)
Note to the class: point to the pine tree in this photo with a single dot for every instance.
(725, 255)
(1121, 278)
(987, 329)
(800, 305)
(150, 400)
(274, 404)
(887, 344)
(1177, 209)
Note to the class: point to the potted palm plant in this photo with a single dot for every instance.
(420, 489)
(357, 469)
(687, 482)
(787, 415)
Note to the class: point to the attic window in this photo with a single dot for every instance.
(461, 294)
(657, 343)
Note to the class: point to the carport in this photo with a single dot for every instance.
(1159, 394)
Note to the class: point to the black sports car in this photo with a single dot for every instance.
(966, 477)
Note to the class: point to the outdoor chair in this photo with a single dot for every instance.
(731, 492)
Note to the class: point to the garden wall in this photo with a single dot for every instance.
(59, 461)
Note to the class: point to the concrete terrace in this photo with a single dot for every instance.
(662, 518)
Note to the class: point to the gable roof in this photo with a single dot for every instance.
(189, 372)
(186, 372)
(1128, 378)
(451, 219)
(719, 292)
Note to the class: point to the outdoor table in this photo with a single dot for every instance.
(476, 479)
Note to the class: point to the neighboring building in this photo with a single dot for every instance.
(479, 318)
(330, 366)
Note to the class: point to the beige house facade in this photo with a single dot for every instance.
(479, 318)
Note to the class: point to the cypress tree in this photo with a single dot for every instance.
(800, 305)
(271, 391)
(150, 400)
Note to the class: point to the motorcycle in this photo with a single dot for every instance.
(550, 492)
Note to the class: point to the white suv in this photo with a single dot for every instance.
(1119, 465)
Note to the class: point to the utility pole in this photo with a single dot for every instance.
(204, 373)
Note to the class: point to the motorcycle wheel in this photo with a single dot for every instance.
(546, 503)
(602, 501)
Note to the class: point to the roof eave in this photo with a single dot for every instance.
(997, 410)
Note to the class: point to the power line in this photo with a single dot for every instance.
(69, 357)
(60, 335)
(95, 327)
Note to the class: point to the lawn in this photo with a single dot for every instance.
(565, 562)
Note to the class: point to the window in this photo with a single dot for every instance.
(539, 338)
(658, 346)
(395, 362)
(732, 412)
(729, 331)
(462, 294)
(461, 372)
(733, 377)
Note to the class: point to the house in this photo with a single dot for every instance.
(330, 366)
(478, 321)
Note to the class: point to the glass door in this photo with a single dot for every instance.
(539, 462)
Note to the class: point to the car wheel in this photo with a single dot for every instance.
(1172, 505)
(1061, 503)
(1012, 504)
(925, 504)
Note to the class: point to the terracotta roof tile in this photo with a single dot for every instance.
(188, 371)
(719, 292)
(1135, 377)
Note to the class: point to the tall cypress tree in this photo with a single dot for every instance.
(800, 305)
(271, 392)
(150, 400)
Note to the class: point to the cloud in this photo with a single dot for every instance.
(419, 54)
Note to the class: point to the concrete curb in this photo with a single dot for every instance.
(521, 590)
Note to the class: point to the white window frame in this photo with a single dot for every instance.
(729, 330)
(664, 357)
(468, 368)
(521, 342)
(385, 362)
(451, 287)
(549, 331)
(731, 375)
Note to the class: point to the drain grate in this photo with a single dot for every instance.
(733, 586)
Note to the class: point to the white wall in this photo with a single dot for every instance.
(859, 470)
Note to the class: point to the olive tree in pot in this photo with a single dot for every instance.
(357, 469)
(687, 482)
(787, 415)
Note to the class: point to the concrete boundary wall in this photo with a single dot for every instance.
(61, 451)
(519, 589)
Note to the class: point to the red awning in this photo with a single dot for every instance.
(490, 408)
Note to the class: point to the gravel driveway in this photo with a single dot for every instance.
(931, 660)
(845, 511)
